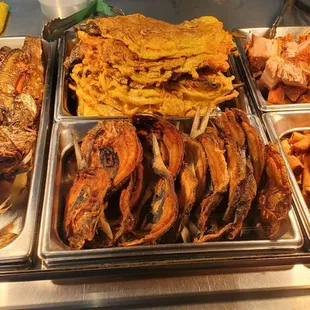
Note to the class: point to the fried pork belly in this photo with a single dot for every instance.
(270, 75)
(259, 50)
(154, 39)
(281, 61)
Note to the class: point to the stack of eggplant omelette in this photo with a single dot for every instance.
(134, 64)
(144, 182)
(21, 93)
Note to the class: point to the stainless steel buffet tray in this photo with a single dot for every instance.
(19, 251)
(65, 106)
(278, 125)
(263, 104)
(53, 251)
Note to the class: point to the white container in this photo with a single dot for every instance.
(61, 8)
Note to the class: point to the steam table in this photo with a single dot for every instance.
(285, 286)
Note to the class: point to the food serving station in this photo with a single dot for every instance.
(245, 259)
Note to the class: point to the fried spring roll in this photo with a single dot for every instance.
(301, 147)
(296, 165)
(286, 146)
(296, 137)
(306, 175)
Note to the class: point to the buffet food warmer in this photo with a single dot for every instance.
(257, 268)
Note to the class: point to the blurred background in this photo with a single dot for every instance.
(26, 16)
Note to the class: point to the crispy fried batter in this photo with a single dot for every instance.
(108, 92)
(154, 39)
(117, 74)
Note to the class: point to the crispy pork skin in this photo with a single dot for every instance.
(260, 50)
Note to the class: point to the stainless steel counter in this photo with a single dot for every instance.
(256, 288)
(264, 288)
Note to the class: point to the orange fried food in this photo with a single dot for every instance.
(154, 39)
(306, 176)
(164, 203)
(129, 198)
(301, 147)
(85, 205)
(134, 64)
(108, 145)
(214, 148)
(166, 134)
(277, 96)
(255, 144)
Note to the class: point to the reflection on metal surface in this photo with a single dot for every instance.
(285, 284)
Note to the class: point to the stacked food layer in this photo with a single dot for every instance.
(129, 64)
